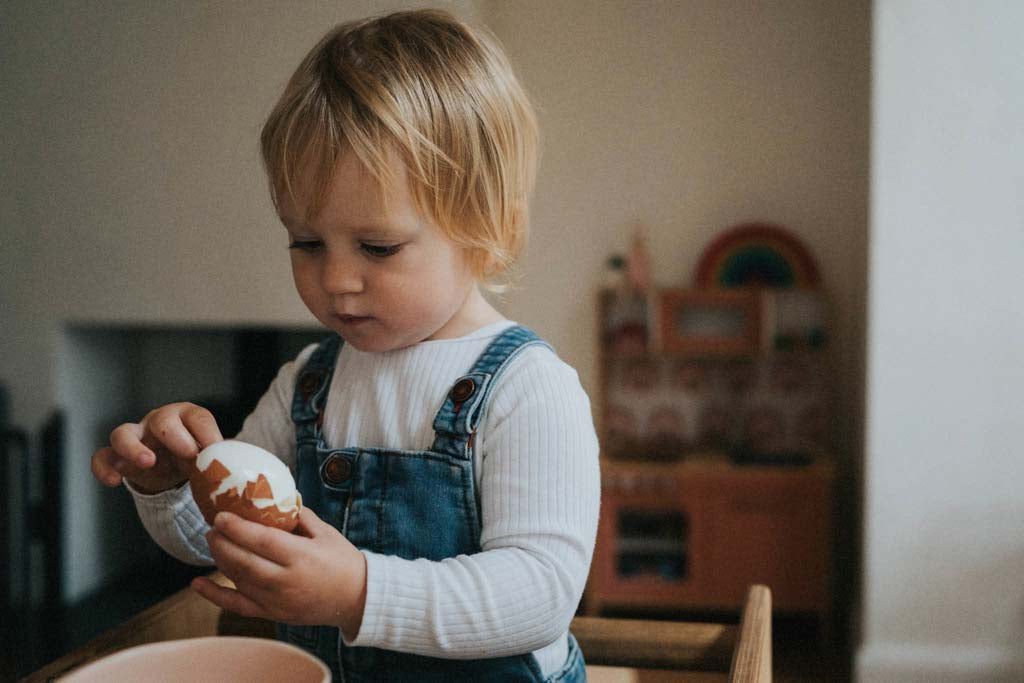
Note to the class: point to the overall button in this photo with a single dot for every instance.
(337, 470)
(462, 390)
(309, 382)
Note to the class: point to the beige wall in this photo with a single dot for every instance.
(689, 117)
(131, 192)
(131, 188)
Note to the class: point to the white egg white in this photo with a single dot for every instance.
(246, 463)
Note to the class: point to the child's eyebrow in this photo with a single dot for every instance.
(370, 229)
(379, 227)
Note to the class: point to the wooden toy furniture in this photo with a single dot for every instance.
(726, 652)
(714, 423)
(695, 534)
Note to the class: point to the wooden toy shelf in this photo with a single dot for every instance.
(696, 534)
(683, 526)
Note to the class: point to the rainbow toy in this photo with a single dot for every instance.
(756, 254)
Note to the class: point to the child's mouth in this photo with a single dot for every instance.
(353, 319)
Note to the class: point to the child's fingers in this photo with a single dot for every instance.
(228, 598)
(240, 565)
(310, 525)
(254, 539)
(126, 441)
(165, 426)
(103, 466)
(201, 423)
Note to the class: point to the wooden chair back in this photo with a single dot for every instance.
(744, 651)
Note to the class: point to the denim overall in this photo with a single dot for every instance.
(411, 504)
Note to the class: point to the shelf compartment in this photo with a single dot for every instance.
(652, 543)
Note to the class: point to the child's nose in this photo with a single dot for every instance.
(341, 274)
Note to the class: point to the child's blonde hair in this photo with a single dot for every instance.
(441, 95)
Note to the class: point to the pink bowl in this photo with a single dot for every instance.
(215, 658)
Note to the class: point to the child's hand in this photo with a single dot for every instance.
(316, 578)
(154, 454)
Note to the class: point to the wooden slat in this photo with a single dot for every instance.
(752, 658)
(655, 644)
(609, 642)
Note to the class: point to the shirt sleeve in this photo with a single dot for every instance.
(173, 520)
(172, 517)
(540, 494)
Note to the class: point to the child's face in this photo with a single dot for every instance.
(382, 279)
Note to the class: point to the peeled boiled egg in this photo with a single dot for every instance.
(234, 476)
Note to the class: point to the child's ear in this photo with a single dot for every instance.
(479, 261)
(490, 264)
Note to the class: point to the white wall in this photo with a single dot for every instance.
(131, 188)
(944, 525)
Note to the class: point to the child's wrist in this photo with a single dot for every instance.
(151, 490)
(352, 616)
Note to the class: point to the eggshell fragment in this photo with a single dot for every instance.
(233, 476)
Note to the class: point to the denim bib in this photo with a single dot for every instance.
(413, 504)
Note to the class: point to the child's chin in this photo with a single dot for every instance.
(371, 343)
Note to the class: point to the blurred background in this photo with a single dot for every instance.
(142, 263)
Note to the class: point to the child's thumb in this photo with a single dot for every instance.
(309, 524)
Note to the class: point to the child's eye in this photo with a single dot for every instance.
(379, 250)
(306, 245)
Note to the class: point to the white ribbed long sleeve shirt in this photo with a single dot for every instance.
(536, 468)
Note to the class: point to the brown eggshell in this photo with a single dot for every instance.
(204, 483)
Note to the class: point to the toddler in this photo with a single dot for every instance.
(446, 456)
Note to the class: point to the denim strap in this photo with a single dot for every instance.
(311, 387)
(456, 422)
